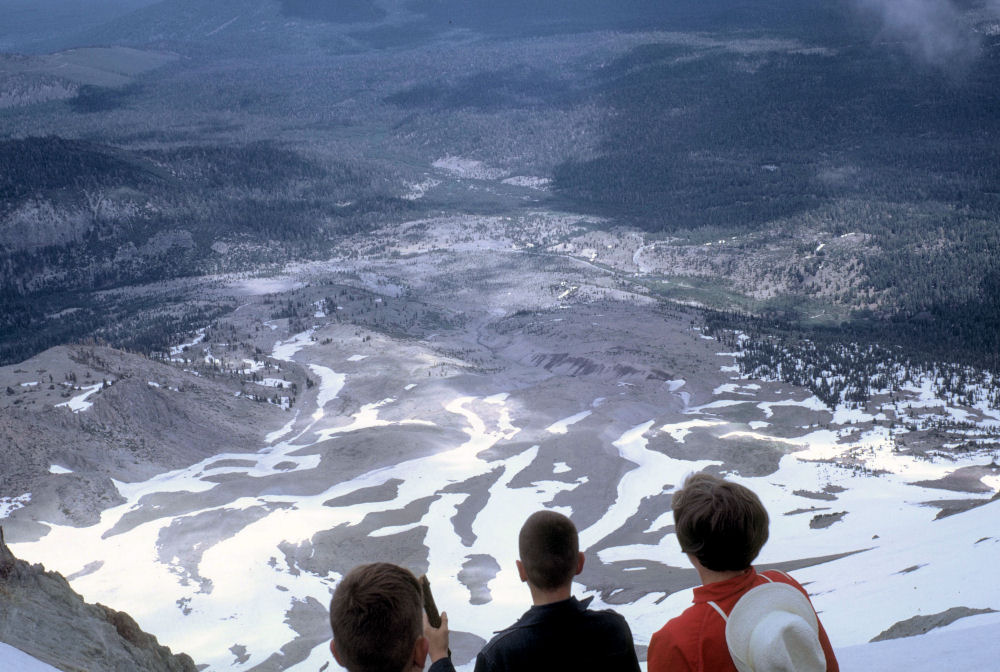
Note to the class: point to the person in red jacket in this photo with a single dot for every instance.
(722, 526)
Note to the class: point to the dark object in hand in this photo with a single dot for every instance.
(433, 615)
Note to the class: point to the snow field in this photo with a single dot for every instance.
(18, 661)
(905, 562)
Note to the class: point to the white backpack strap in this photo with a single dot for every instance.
(776, 571)
(719, 609)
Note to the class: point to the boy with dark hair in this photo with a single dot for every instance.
(378, 623)
(741, 620)
(559, 632)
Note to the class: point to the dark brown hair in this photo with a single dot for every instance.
(377, 616)
(721, 523)
(549, 546)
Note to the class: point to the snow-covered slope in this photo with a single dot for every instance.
(971, 646)
(16, 660)
(233, 559)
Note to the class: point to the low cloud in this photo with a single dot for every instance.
(933, 31)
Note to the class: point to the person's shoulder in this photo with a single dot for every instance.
(686, 625)
(500, 639)
(442, 665)
(779, 576)
(608, 615)
(670, 646)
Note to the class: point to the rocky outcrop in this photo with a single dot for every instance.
(42, 615)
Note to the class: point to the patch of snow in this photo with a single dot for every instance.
(9, 505)
(330, 385)
(179, 349)
(812, 403)
(652, 470)
(15, 660)
(560, 468)
(32, 384)
(286, 349)
(679, 430)
(56, 469)
(540, 183)
(357, 358)
(468, 168)
(991, 482)
(79, 402)
(718, 403)
(410, 386)
(416, 190)
(262, 286)
(278, 433)
(674, 385)
(152, 384)
(562, 426)
(251, 366)
(848, 416)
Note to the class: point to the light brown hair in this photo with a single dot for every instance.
(549, 546)
(722, 523)
(376, 615)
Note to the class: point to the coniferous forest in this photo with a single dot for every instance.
(226, 145)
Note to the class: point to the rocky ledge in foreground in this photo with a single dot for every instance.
(41, 615)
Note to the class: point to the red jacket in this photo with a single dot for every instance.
(695, 641)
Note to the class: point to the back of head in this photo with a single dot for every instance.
(376, 615)
(549, 546)
(721, 523)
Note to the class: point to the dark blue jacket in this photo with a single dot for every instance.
(563, 635)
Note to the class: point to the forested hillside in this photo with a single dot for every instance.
(732, 143)
(78, 217)
(269, 130)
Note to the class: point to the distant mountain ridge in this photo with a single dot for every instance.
(234, 26)
(30, 26)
